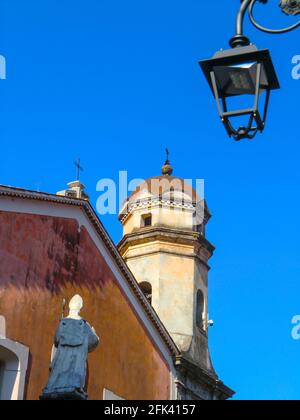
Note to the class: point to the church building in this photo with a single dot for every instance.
(146, 298)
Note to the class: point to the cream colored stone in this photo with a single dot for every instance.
(75, 306)
(76, 190)
(2, 327)
(13, 366)
(172, 256)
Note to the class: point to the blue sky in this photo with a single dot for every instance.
(114, 82)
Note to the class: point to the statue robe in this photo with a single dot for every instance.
(74, 339)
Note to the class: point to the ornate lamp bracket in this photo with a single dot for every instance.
(290, 7)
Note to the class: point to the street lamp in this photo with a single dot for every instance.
(245, 71)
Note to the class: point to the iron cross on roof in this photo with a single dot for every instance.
(79, 168)
(167, 153)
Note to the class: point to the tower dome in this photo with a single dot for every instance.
(165, 201)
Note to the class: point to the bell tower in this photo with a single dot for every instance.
(165, 246)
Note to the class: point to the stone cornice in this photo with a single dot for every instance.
(209, 379)
(131, 206)
(167, 235)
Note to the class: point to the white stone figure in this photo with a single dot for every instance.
(74, 339)
(75, 306)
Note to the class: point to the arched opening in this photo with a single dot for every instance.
(147, 290)
(9, 375)
(200, 310)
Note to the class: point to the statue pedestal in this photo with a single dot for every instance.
(65, 395)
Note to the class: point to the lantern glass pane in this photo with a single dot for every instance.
(239, 79)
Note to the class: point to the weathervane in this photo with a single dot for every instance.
(168, 154)
(167, 169)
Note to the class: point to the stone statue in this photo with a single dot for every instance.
(74, 339)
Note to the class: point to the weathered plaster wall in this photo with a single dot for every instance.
(45, 259)
(175, 276)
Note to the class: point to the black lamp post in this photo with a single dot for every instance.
(244, 70)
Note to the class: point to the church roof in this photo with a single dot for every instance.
(86, 207)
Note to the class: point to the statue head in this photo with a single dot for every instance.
(75, 306)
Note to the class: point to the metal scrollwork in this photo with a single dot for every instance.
(289, 7)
